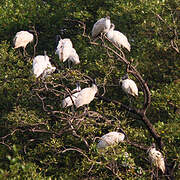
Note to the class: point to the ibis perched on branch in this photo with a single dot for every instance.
(86, 95)
(66, 51)
(110, 138)
(22, 38)
(129, 86)
(118, 38)
(156, 158)
(102, 25)
(42, 66)
(68, 101)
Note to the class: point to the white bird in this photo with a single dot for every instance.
(22, 38)
(68, 100)
(63, 49)
(66, 51)
(86, 95)
(42, 65)
(129, 86)
(118, 38)
(110, 138)
(156, 158)
(102, 25)
(73, 57)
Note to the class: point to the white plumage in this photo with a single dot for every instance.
(110, 138)
(156, 158)
(118, 38)
(42, 65)
(86, 95)
(68, 100)
(22, 38)
(73, 57)
(102, 25)
(66, 51)
(129, 86)
(63, 49)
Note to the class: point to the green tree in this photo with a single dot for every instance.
(41, 140)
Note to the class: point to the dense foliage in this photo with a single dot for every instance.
(41, 140)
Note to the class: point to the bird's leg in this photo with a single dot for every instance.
(102, 35)
(25, 52)
(87, 106)
(86, 110)
(153, 176)
(69, 64)
(62, 65)
(130, 100)
(95, 39)
(19, 52)
(43, 75)
(157, 173)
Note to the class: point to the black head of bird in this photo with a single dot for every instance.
(125, 77)
(45, 53)
(122, 131)
(78, 87)
(94, 81)
(58, 38)
(107, 17)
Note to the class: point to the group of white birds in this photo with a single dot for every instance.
(104, 25)
(85, 96)
(113, 138)
(79, 97)
(41, 63)
(65, 49)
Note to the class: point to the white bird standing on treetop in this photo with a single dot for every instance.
(118, 38)
(86, 95)
(102, 25)
(129, 86)
(68, 100)
(42, 65)
(110, 138)
(22, 38)
(156, 158)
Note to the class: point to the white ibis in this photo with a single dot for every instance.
(110, 138)
(129, 86)
(73, 57)
(42, 66)
(66, 51)
(118, 38)
(102, 25)
(22, 38)
(68, 100)
(86, 95)
(156, 158)
(63, 49)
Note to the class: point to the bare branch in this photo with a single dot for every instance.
(35, 45)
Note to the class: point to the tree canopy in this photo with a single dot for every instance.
(40, 139)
